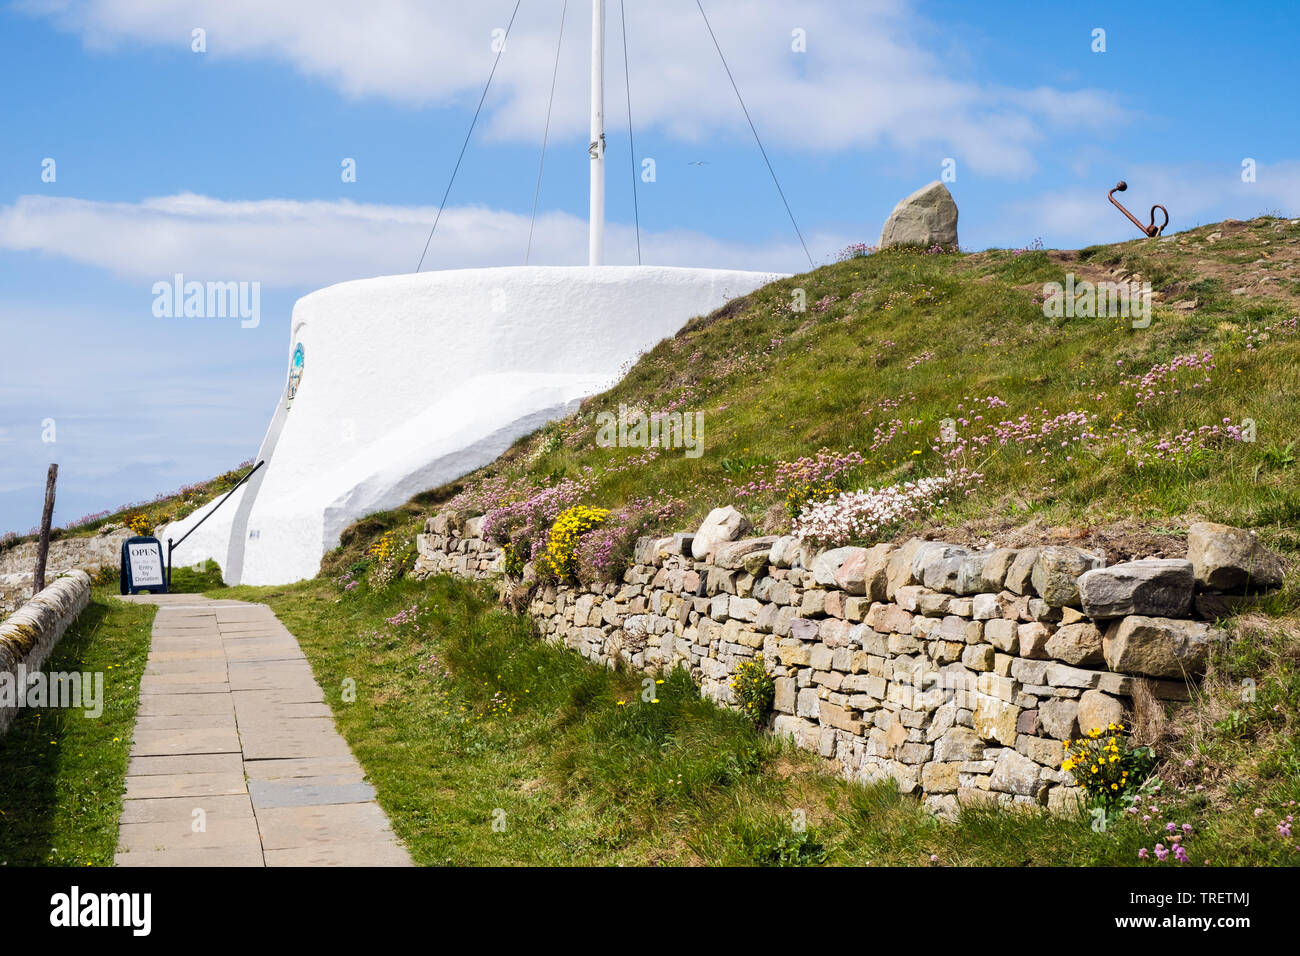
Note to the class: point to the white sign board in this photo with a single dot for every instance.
(146, 564)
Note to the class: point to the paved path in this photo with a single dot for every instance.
(235, 759)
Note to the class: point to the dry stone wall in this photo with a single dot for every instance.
(28, 635)
(85, 553)
(956, 673)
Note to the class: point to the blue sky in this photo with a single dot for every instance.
(225, 166)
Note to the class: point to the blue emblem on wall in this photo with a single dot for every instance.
(295, 373)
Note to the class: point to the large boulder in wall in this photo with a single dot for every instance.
(927, 218)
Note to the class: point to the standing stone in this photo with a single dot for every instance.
(722, 524)
(1231, 559)
(1152, 587)
(1159, 646)
(928, 217)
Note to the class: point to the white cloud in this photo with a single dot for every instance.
(288, 243)
(864, 82)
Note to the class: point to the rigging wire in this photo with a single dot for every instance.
(546, 133)
(755, 132)
(627, 85)
(455, 169)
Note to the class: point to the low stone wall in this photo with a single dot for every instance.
(958, 674)
(28, 635)
(87, 553)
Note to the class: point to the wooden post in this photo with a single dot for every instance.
(43, 548)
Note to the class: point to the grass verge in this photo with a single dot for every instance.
(62, 772)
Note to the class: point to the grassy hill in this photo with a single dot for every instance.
(1084, 427)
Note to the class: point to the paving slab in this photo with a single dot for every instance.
(193, 856)
(307, 792)
(203, 740)
(287, 827)
(341, 854)
(218, 807)
(232, 723)
(196, 784)
(141, 766)
(158, 705)
(338, 769)
(200, 721)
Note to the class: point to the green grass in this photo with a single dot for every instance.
(466, 718)
(61, 772)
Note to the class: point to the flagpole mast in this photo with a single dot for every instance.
(596, 235)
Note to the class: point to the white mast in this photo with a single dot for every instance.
(596, 243)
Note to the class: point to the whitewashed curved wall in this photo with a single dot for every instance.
(411, 381)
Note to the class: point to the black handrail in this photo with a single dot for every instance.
(172, 547)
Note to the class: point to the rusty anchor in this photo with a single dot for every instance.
(1149, 230)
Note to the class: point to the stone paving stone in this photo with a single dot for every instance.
(300, 695)
(184, 785)
(213, 653)
(221, 808)
(274, 675)
(150, 689)
(389, 853)
(193, 856)
(152, 743)
(159, 705)
(233, 722)
(269, 743)
(243, 651)
(188, 642)
(236, 832)
(248, 707)
(337, 769)
(187, 763)
(203, 669)
(190, 679)
(286, 827)
(185, 722)
(306, 792)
